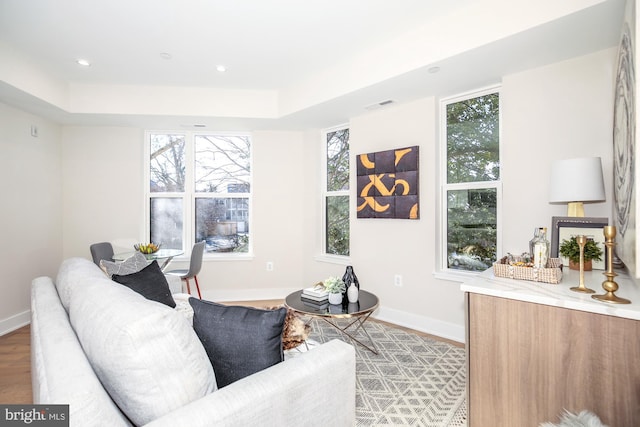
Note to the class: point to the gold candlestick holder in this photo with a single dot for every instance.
(581, 241)
(610, 285)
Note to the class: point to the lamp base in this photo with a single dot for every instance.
(575, 209)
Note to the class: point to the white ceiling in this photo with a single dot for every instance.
(292, 48)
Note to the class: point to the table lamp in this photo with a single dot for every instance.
(575, 181)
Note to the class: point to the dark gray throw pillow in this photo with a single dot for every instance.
(239, 341)
(148, 282)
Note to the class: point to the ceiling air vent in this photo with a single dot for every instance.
(378, 105)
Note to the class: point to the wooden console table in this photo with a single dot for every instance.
(536, 349)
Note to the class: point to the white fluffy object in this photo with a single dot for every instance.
(583, 419)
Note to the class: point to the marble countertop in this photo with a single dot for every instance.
(560, 295)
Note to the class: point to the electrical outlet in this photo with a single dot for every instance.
(269, 266)
(397, 280)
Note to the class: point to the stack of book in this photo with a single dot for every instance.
(315, 296)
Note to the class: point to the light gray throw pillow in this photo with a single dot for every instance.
(146, 355)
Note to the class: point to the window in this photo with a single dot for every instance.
(471, 190)
(199, 189)
(336, 192)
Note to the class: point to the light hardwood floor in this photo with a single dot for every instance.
(15, 367)
(15, 358)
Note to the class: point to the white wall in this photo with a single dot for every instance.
(382, 248)
(561, 111)
(103, 188)
(30, 216)
(104, 201)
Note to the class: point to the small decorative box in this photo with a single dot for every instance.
(550, 274)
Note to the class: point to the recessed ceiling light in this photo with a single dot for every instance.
(221, 68)
(83, 62)
(165, 55)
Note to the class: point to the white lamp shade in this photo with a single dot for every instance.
(577, 180)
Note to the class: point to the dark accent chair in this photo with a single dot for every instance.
(102, 250)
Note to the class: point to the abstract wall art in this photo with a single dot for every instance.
(388, 184)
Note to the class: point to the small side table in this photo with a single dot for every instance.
(359, 312)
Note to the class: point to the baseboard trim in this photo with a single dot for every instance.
(14, 322)
(223, 295)
(418, 322)
(421, 323)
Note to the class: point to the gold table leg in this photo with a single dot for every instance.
(359, 322)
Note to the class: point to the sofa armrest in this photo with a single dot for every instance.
(316, 388)
(60, 371)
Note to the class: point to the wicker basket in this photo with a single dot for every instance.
(551, 274)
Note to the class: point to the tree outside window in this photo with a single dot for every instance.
(337, 192)
(472, 180)
(206, 198)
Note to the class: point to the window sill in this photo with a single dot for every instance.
(456, 276)
(333, 259)
(229, 257)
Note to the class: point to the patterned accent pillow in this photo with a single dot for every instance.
(133, 264)
(295, 331)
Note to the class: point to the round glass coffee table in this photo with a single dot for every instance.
(359, 312)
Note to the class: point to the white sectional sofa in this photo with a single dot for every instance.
(119, 359)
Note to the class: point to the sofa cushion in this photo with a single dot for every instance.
(146, 354)
(239, 341)
(75, 272)
(133, 264)
(148, 282)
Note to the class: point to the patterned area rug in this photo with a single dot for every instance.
(412, 381)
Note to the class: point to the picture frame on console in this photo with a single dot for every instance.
(565, 227)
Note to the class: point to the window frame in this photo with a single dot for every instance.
(324, 192)
(443, 271)
(190, 195)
